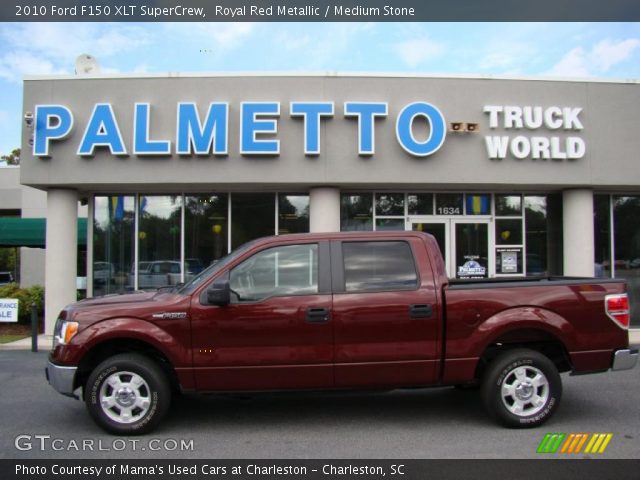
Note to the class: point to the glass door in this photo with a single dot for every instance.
(464, 244)
(472, 257)
(440, 229)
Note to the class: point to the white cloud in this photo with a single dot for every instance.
(15, 65)
(292, 41)
(572, 64)
(416, 51)
(51, 48)
(142, 68)
(606, 54)
(214, 35)
(333, 45)
(4, 118)
(64, 41)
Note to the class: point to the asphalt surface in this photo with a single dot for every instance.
(428, 423)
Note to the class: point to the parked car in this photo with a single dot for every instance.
(193, 266)
(156, 274)
(339, 311)
(103, 273)
(6, 278)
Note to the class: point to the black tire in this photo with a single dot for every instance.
(532, 388)
(139, 402)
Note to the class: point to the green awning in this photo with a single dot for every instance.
(31, 232)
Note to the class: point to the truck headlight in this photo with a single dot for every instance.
(64, 331)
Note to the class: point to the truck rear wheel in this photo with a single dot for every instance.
(521, 388)
(127, 394)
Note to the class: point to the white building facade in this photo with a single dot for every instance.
(513, 177)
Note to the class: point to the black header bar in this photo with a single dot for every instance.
(549, 469)
(319, 10)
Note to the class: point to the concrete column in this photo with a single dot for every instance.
(324, 209)
(61, 253)
(577, 232)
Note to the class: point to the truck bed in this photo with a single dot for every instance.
(504, 282)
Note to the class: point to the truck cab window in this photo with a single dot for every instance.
(279, 271)
(375, 266)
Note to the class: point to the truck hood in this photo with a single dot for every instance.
(117, 298)
(143, 305)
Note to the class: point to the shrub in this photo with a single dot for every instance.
(26, 297)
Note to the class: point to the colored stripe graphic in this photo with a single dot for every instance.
(551, 442)
(572, 443)
(598, 443)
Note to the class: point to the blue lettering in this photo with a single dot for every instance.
(102, 131)
(45, 129)
(311, 112)
(250, 127)
(404, 132)
(141, 143)
(366, 113)
(193, 137)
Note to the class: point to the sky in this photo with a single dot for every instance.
(576, 50)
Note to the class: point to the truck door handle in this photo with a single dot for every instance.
(317, 315)
(421, 310)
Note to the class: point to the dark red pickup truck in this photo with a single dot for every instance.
(338, 311)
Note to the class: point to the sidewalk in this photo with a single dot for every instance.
(44, 344)
(45, 341)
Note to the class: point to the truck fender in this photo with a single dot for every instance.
(521, 318)
(135, 329)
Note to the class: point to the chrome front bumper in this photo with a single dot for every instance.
(61, 378)
(624, 359)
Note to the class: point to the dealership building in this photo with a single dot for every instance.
(514, 177)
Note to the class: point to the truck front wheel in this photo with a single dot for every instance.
(127, 394)
(521, 388)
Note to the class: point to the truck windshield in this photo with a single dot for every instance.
(214, 268)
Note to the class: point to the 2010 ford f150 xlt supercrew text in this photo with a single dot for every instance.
(338, 311)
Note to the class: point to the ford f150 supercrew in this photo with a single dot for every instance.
(338, 311)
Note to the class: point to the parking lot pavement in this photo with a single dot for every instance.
(37, 422)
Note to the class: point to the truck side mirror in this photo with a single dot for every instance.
(219, 294)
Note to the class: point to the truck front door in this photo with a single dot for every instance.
(277, 332)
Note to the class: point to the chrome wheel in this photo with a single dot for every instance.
(525, 391)
(125, 397)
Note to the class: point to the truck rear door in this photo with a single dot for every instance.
(385, 313)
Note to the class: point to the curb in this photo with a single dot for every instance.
(44, 343)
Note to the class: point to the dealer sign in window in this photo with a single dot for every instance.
(8, 310)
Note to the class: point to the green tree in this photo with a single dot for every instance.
(13, 158)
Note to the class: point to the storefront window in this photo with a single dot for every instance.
(508, 231)
(389, 224)
(508, 205)
(543, 234)
(389, 204)
(449, 203)
(602, 235)
(159, 241)
(478, 204)
(626, 212)
(113, 243)
(253, 215)
(356, 212)
(535, 217)
(206, 231)
(420, 203)
(293, 213)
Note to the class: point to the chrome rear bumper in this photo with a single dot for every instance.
(624, 359)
